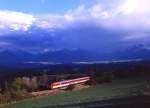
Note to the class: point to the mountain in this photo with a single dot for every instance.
(135, 52)
(68, 56)
(62, 56)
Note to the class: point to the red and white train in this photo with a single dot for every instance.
(67, 83)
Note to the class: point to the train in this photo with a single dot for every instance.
(67, 83)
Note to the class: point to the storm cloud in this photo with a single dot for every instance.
(104, 26)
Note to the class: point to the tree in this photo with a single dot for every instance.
(120, 73)
(6, 96)
(34, 83)
(139, 70)
(17, 84)
(108, 77)
(26, 83)
(43, 81)
(17, 88)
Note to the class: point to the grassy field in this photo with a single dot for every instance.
(116, 89)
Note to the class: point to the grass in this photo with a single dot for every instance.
(116, 89)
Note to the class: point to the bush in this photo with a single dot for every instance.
(70, 87)
(13, 91)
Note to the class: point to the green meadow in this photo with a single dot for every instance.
(116, 89)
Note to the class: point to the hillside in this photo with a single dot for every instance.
(114, 90)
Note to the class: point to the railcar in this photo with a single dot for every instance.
(67, 83)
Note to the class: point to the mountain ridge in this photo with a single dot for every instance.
(69, 56)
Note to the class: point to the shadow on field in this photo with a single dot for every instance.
(129, 102)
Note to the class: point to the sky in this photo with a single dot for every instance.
(43, 25)
(42, 6)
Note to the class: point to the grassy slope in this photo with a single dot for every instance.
(116, 89)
